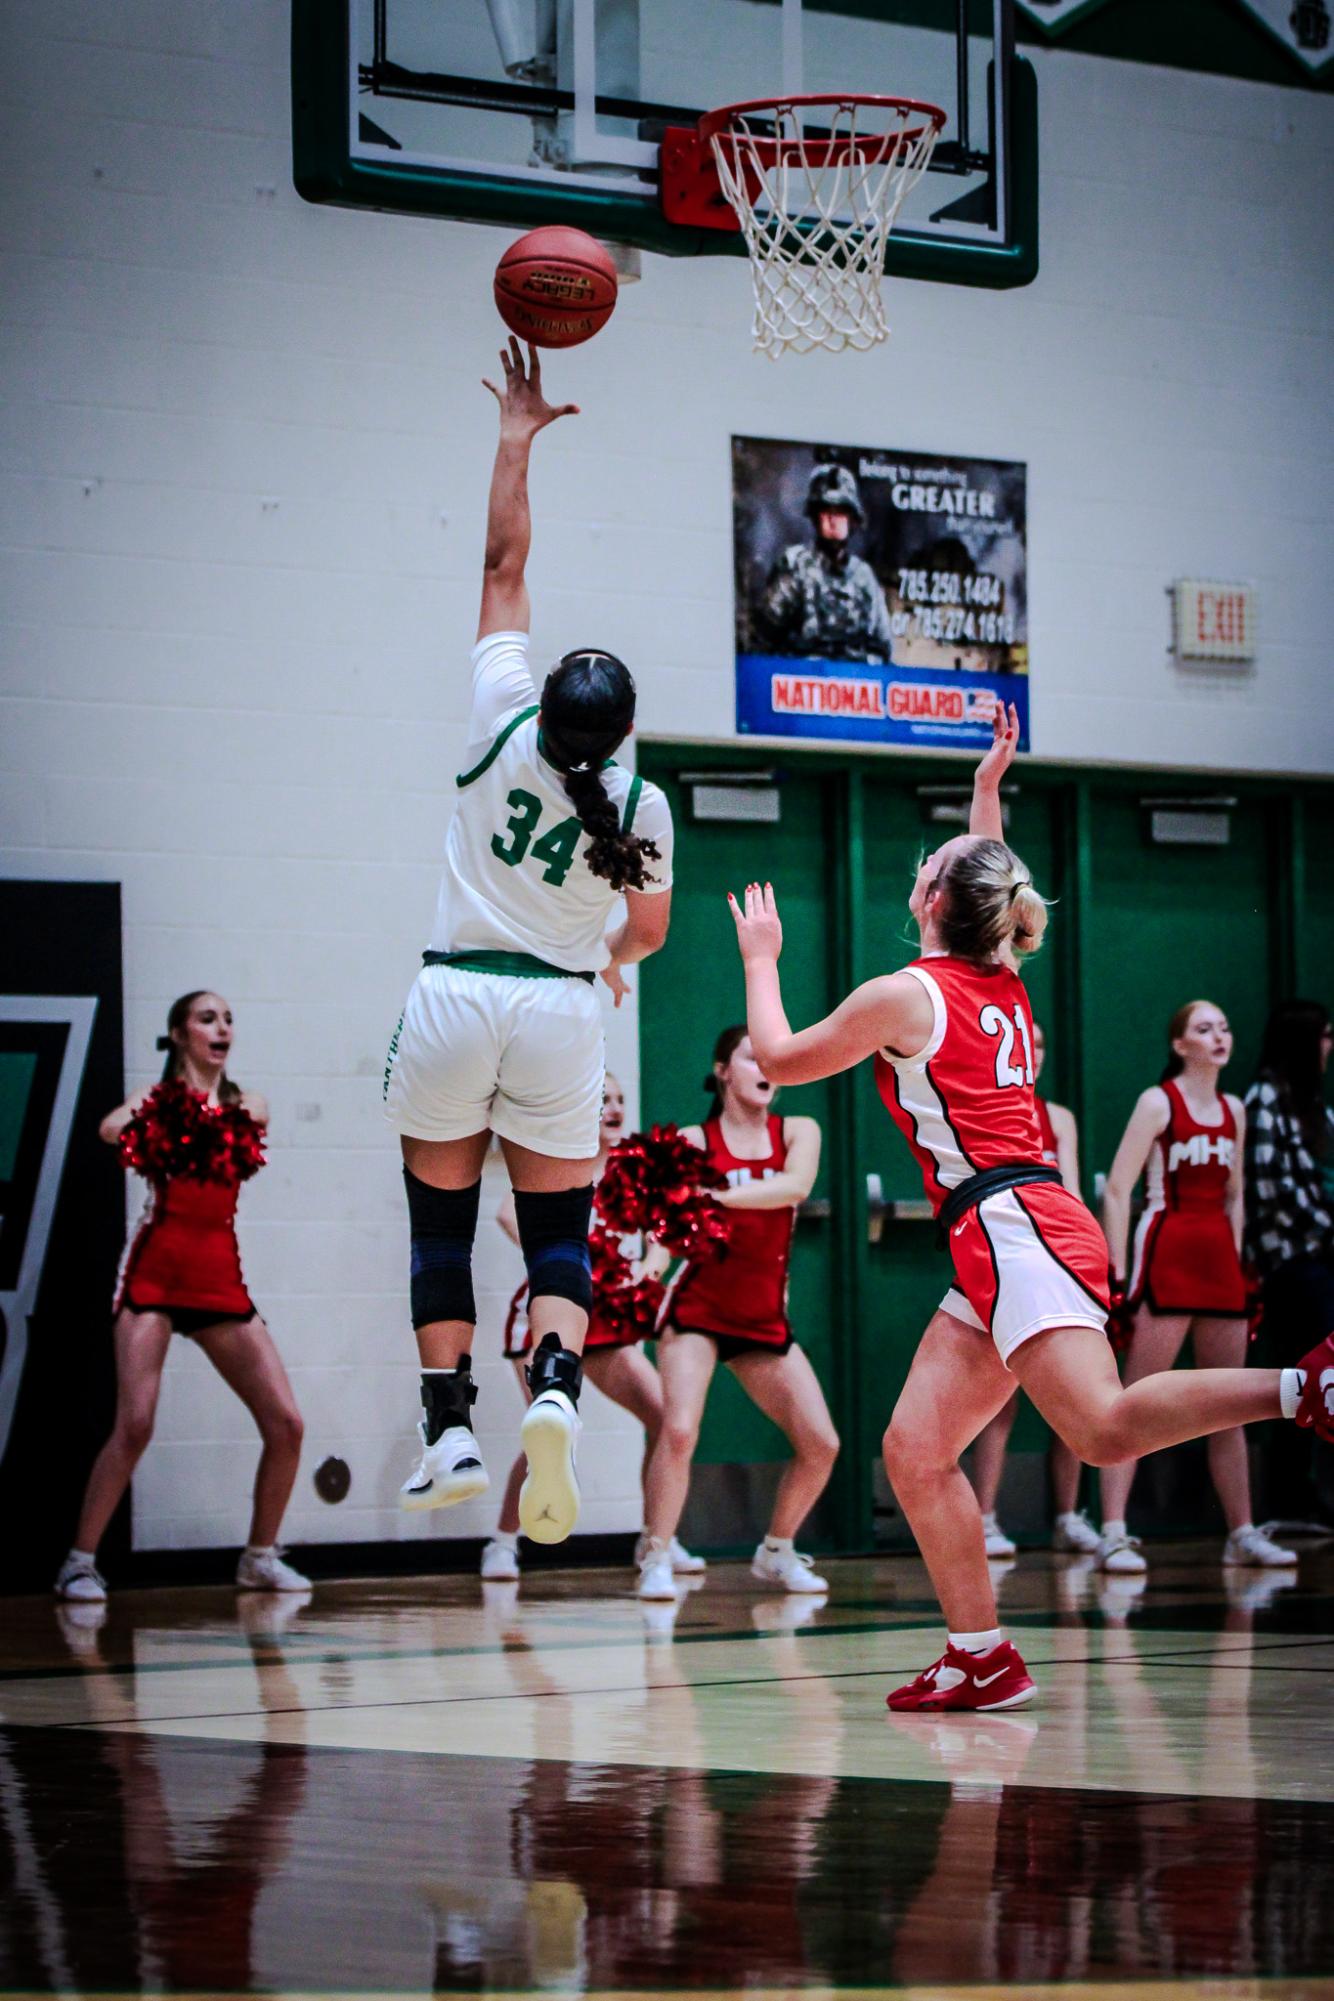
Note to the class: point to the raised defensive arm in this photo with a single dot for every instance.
(893, 1012)
(986, 817)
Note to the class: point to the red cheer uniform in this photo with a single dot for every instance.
(742, 1295)
(1185, 1258)
(183, 1259)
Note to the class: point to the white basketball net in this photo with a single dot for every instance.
(817, 214)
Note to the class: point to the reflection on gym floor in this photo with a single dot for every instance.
(434, 1785)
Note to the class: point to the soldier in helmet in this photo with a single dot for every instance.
(826, 602)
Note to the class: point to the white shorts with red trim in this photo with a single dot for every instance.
(1025, 1260)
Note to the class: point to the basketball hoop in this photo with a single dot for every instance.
(817, 208)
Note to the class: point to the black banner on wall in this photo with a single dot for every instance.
(62, 1212)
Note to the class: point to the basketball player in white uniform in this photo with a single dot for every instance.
(502, 1031)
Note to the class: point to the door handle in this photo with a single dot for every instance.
(876, 1208)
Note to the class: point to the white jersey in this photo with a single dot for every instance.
(515, 877)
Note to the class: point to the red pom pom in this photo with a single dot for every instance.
(658, 1183)
(628, 1307)
(177, 1132)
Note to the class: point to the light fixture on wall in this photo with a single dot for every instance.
(734, 795)
(1201, 822)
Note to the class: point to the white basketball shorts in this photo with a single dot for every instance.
(522, 1056)
(1025, 1260)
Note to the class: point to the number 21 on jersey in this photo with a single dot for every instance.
(994, 1021)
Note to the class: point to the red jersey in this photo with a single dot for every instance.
(184, 1252)
(744, 1292)
(966, 1101)
(1051, 1152)
(1185, 1258)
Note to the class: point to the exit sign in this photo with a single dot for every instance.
(1213, 621)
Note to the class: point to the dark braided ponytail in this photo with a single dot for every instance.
(588, 706)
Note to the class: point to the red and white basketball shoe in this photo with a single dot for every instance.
(959, 1680)
(1316, 1410)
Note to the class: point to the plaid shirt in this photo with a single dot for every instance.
(1288, 1206)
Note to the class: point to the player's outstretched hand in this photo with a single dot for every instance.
(758, 931)
(1003, 749)
(524, 410)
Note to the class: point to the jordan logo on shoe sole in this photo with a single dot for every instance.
(985, 1680)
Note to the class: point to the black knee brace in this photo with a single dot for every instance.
(553, 1230)
(443, 1222)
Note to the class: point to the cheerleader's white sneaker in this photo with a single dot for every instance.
(1251, 1545)
(997, 1542)
(80, 1579)
(1075, 1535)
(1119, 1554)
(684, 1563)
(264, 1570)
(448, 1472)
(786, 1567)
(500, 1563)
(655, 1571)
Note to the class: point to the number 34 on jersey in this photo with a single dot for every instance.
(555, 848)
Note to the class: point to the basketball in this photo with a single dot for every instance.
(555, 287)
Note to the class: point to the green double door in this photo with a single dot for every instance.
(1137, 927)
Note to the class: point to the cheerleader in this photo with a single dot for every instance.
(1073, 1531)
(952, 1041)
(182, 1274)
(502, 1032)
(613, 1362)
(1187, 1138)
(733, 1310)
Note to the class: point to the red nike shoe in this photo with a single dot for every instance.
(959, 1680)
(1316, 1410)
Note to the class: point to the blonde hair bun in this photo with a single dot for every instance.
(1030, 917)
(989, 901)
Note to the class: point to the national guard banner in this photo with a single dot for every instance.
(881, 595)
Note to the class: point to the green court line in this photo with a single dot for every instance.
(882, 1669)
(353, 1654)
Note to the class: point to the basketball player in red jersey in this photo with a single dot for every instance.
(1073, 1531)
(617, 1367)
(1187, 1138)
(734, 1310)
(952, 1040)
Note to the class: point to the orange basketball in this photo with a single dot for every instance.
(555, 287)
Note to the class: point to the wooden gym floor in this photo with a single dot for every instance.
(431, 1785)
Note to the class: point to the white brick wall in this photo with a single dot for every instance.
(243, 459)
